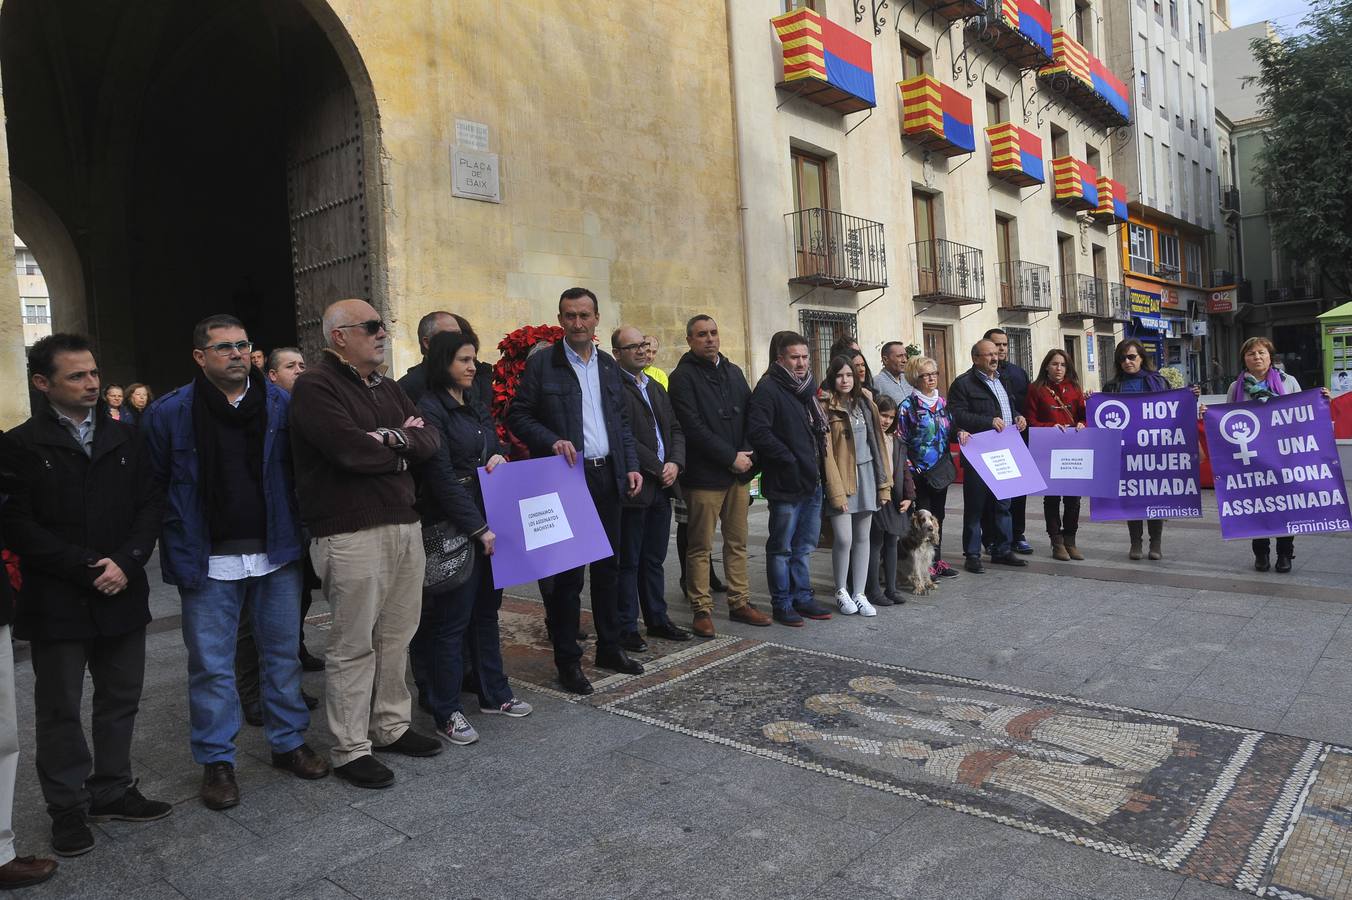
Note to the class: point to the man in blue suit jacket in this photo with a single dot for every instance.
(570, 403)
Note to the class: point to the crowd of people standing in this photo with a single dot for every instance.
(262, 480)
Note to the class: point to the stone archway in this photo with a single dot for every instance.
(218, 156)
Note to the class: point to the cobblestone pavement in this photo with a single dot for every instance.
(1175, 714)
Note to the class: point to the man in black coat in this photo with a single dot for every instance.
(84, 528)
(981, 399)
(414, 381)
(570, 403)
(645, 524)
(786, 427)
(710, 397)
(1018, 381)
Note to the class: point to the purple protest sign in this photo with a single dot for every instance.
(1083, 462)
(1003, 462)
(1159, 455)
(544, 520)
(1276, 467)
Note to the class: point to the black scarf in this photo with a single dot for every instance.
(210, 412)
(805, 390)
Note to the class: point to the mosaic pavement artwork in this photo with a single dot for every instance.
(1265, 813)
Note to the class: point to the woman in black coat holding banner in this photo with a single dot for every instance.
(1134, 373)
(465, 617)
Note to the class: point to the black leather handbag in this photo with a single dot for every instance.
(941, 474)
(450, 557)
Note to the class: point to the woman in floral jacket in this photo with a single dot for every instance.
(924, 424)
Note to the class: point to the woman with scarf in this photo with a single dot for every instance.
(1134, 373)
(1259, 382)
(926, 428)
(858, 477)
(1056, 401)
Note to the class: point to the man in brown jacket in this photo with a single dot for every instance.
(355, 434)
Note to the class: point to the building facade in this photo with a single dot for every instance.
(34, 302)
(924, 172)
(165, 161)
(1167, 161)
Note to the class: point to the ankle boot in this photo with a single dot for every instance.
(1156, 539)
(1134, 529)
(1059, 548)
(1071, 551)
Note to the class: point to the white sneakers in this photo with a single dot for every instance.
(846, 606)
(865, 608)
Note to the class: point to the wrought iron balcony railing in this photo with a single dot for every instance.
(1230, 199)
(1080, 297)
(947, 272)
(1024, 286)
(1119, 302)
(1222, 278)
(1300, 286)
(834, 250)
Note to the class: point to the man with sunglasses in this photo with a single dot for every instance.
(355, 435)
(220, 448)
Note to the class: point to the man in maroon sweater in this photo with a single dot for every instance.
(354, 434)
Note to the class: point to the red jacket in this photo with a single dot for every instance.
(1054, 404)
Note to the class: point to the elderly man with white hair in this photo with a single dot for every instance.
(355, 434)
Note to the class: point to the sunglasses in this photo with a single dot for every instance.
(1131, 356)
(372, 326)
(225, 347)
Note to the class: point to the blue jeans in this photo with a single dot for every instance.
(979, 503)
(644, 534)
(457, 622)
(210, 626)
(794, 528)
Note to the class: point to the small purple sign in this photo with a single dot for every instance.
(1159, 477)
(1276, 467)
(544, 520)
(1084, 462)
(1003, 462)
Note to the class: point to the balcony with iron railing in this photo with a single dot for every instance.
(1080, 297)
(1020, 31)
(834, 250)
(1087, 82)
(1119, 302)
(947, 272)
(1192, 278)
(1222, 278)
(1230, 199)
(1023, 286)
(1297, 286)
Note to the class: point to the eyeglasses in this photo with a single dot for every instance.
(929, 374)
(629, 347)
(224, 347)
(373, 326)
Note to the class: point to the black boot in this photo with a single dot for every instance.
(1283, 563)
(1261, 563)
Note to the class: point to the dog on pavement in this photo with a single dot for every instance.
(919, 546)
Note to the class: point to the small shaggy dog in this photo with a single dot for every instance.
(919, 546)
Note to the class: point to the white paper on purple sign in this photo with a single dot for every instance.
(543, 521)
(1001, 464)
(1072, 464)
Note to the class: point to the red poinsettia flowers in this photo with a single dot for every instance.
(515, 349)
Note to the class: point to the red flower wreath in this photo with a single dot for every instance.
(515, 349)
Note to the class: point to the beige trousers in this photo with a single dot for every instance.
(373, 583)
(706, 509)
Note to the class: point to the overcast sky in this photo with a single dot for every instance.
(1281, 13)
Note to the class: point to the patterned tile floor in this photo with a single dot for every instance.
(1268, 814)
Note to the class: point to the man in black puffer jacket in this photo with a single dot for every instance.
(786, 427)
(710, 396)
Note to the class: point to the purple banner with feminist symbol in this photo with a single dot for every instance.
(1003, 462)
(1276, 467)
(1085, 462)
(543, 519)
(1159, 477)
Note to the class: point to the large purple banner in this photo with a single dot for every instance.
(1003, 462)
(1085, 462)
(1276, 467)
(1159, 455)
(543, 518)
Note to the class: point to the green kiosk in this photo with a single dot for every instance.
(1336, 340)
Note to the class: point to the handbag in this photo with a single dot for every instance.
(940, 475)
(892, 520)
(450, 557)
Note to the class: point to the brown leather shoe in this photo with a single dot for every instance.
(749, 615)
(219, 790)
(25, 871)
(703, 625)
(302, 762)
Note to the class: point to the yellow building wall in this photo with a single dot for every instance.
(614, 128)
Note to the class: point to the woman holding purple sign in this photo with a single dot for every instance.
(1259, 382)
(1056, 401)
(1135, 374)
(465, 618)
